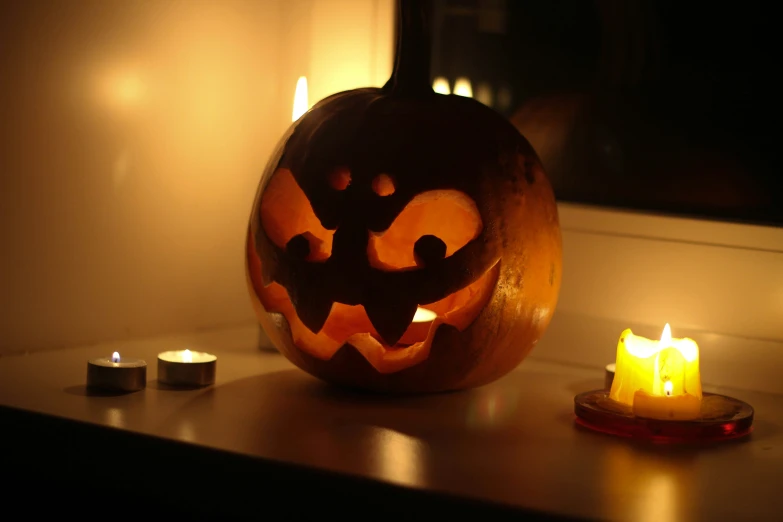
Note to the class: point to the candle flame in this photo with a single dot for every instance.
(666, 336)
(441, 85)
(423, 315)
(462, 87)
(668, 388)
(643, 348)
(115, 357)
(187, 356)
(301, 103)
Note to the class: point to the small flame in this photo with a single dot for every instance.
(115, 357)
(187, 356)
(668, 388)
(462, 87)
(441, 85)
(301, 103)
(666, 336)
(423, 315)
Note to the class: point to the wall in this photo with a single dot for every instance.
(337, 44)
(133, 137)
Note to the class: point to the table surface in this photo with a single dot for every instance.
(512, 442)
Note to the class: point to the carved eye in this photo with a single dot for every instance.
(289, 221)
(429, 250)
(434, 225)
(383, 185)
(340, 178)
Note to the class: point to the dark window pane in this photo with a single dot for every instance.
(657, 105)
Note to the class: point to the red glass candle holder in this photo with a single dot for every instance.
(722, 418)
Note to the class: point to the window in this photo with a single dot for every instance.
(656, 105)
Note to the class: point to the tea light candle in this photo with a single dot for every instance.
(186, 368)
(609, 375)
(117, 374)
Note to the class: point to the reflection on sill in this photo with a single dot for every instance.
(399, 458)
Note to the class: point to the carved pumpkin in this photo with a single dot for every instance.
(402, 240)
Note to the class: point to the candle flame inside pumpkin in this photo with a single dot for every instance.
(187, 356)
(115, 357)
(423, 315)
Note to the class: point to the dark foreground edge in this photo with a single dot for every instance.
(56, 466)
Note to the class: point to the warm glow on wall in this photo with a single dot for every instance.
(301, 102)
(462, 87)
(347, 44)
(168, 107)
(123, 88)
(441, 85)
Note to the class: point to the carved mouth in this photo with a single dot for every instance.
(349, 324)
(360, 281)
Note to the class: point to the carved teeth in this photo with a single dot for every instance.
(390, 315)
(312, 309)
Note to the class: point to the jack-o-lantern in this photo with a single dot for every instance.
(402, 240)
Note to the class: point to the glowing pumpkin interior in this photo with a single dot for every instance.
(433, 226)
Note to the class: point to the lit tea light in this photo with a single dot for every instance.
(301, 102)
(441, 85)
(462, 87)
(186, 368)
(423, 315)
(420, 326)
(117, 373)
(658, 379)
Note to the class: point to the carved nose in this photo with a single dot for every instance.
(348, 265)
(349, 245)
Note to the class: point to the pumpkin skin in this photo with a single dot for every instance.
(378, 202)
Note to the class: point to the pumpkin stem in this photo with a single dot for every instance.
(411, 74)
